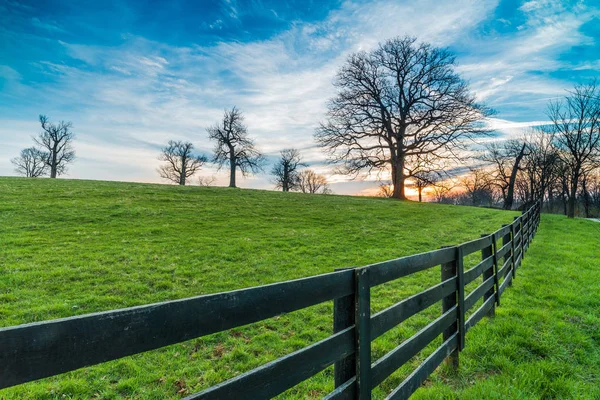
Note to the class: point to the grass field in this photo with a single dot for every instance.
(74, 247)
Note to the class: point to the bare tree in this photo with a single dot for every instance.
(180, 162)
(398, 106)
(206, 180)
(506, 159)
(285, 171)
(311, 182)
(56, 141)
(425, 179)
(442, 189)
(385, 190)
(540, 165)
(31, 162)
(576, 124)
(478, 187)
(234, 147)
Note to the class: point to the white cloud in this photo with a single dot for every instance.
(143, 93)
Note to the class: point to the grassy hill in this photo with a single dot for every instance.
(74, 247)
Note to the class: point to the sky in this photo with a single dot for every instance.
(131, 75)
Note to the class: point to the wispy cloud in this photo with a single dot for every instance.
(128, 99)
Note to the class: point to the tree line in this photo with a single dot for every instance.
(236, 150)
(557, 163)
(403, 111)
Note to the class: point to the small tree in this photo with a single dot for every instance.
(56, 141)
(424, 180)
(442, 189)
(285, 171)
(478, 187)
(311, 182)
(540, 166)
(506, 160)
(385, 190)
(234, 147)
(31, 162)
(206, 180)
(180, 163)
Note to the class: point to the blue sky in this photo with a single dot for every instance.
(132, 75)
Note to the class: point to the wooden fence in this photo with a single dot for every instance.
(37, 350)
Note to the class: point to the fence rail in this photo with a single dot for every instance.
(38, 350)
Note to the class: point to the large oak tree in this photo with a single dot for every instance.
(399, 106)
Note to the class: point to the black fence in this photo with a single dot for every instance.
(38, 350)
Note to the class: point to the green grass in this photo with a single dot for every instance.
(74, 247)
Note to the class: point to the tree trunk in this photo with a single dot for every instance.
(420, 194)
(183, 172)
(53, 166)
(285, 184)
(232, 164)
(398, 179)
(586, 196)
(511, 182)
(572, 195)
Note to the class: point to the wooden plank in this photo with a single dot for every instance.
(490, 273)
(506, 283)
(480, 313)
(393, 360)
(502, 231)
(42, 349)
(362, 343)
(276, 377)
(387, 319)
(506, 243)
(347, 391)
(414, 380)
(495, 274)
(518, 237)
(343, 317)
(473, 273)
(522, 236)
(476, 294)
(518, 252)
(476, 245)
(517, 263)
(389, 270)
(504, 250)
(502, 272)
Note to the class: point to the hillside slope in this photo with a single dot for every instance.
(74, 247)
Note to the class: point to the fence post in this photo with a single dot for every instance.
(460, 279)
(505, 241)
(485, 253)
(515, 230)
(449, 271)
(343, 317)
(521, 225)
(529, 213)
(528, 223)
(363, 333)
(523, 234)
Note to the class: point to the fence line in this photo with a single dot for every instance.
(38, 350)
